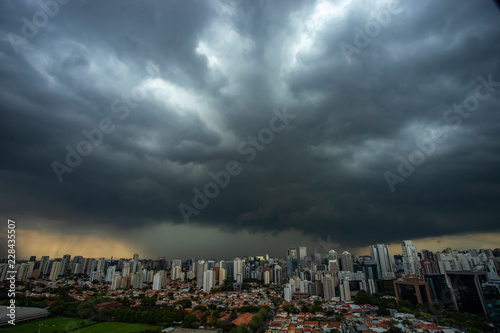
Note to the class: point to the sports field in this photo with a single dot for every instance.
(49, 325)
(62, 325)
(117, 328)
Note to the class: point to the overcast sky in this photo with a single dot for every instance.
(320, 115)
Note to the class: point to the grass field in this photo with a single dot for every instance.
(117, 328)
(60, 325)
(50, 325)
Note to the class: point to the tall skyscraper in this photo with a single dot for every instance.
(43, 264)
(267, 277)
(303, 256)
(238, 270)
(201, 267)
(328, 287)
(332, 255)
(380, 253)
(222, 275)
(138, 280)
(347, 262)
(110, 274)
(176, 262)
(176, 273)
(278, 275)
(410, 257)
(426, 254)
(91, 266)
(208, 280)
(291, 261)
(117, 281)
(466, 287)
(101, 265)
(157, 281)
(333, 265)
(54, 272)
(287, 292)
(63, 269)
(230, 269)
(345, 290)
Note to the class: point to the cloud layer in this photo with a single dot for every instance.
(183, 86)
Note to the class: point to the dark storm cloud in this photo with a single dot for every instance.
(211, 74)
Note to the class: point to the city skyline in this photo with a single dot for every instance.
(394, 250)
(183, 127)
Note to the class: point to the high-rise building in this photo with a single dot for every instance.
(425, 266)
(25, 270)
(76, 260)
(43, 265)
(438, 289)
(380, 253)
(491, 295)
(238, 270)
(291, 261)
(347, 262)
(287, 292)
(487, 252)
(138, 280)
(176, 273)
(426, 254)
(410, 257)
(303, 256)
(126, 268)
(216, 274)
(125, 282)
(201, 267)
(230, 269)
(328, 287)
(333, 265)
(110, 273)
(467, 290)
(371, 269)
(345, 290)
(157, 285)
(92, 264)
(63, 269)
(332, 255)
(222, 275)
(117, 281)
(77, 268)
(162, 263)
(267, 277)
(277, 275)
(101, 265)
(54, 271)
(413, 290)
(317, 258)
(208, 280)
(446, 262)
